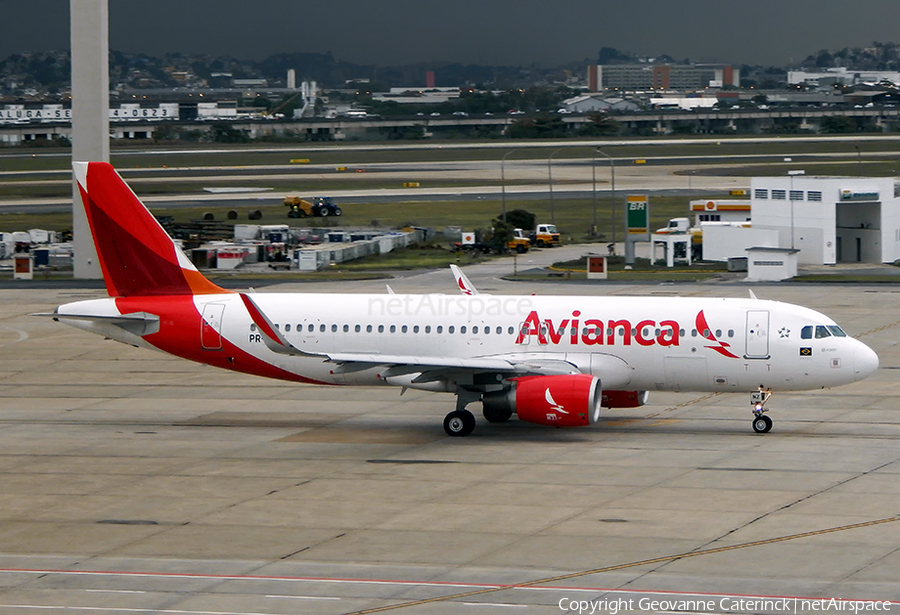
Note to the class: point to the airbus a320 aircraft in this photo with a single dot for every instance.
(549, 360)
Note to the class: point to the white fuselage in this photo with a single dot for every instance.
(686, 344)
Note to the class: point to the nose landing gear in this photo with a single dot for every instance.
(758, 399)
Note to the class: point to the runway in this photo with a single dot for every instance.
(132, 482)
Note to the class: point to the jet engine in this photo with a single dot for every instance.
(624, 399)
(570, 400)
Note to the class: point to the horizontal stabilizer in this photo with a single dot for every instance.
(138, 323)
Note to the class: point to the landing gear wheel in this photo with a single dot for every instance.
(762, 424)
(459, 423)
(496, 416)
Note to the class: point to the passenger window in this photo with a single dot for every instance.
(415, 328)
(334, 328)
(287, 328)
(393, 328)
(403, 329)
(440, 328)
(836, 331)
(311, 328)
(822, 332)
(253, 326)
(357, 328)
(346, 328)
(487, 330)
(427, 328)
(512, 330)
(277, 326)
(806, 332)
(731, 333)
(462, 329)
(322, 328)
(693, 333)
(475, 329)
(718, 333)
(368, 328)
(381, 328)
(450, 329)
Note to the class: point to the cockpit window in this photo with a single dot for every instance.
(806, 332)
(822, 331)
(836, 331)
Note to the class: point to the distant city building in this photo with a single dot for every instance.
(840, 76)
(664, 76)
(417, 95)
(250, 83)
(587, 103)
(594, 78)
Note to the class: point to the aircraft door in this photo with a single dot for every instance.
(757, 333)
(211, 326)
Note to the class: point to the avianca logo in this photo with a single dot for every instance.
(597, 332)
(705, 332)
(463, 288)
(553, 405)
(592, 331)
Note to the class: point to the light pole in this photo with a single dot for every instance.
(858, 160)
(550, 178)
(612, 172)
(503, 182)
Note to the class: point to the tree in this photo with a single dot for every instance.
(502, 235)
(542, 127)
(837, 124)
(520, 218)
(601, 123)
(223, 133)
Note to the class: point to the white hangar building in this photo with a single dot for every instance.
(830, 219)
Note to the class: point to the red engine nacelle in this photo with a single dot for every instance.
(624, 399)
(562, 401)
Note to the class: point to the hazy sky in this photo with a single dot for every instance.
(469, 31)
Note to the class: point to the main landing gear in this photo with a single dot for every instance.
(758, 399)
(461, 422)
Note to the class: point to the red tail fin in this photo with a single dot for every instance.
(136, 255)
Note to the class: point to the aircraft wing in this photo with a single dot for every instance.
(277, 342)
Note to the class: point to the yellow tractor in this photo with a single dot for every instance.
(317, 207)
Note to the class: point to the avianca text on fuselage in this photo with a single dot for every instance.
(598, 332)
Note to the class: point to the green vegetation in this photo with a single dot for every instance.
(429, 256)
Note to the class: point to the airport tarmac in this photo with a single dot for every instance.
(133, 482)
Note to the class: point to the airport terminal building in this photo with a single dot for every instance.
(830, 219)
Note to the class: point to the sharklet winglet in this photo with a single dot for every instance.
(271, 336)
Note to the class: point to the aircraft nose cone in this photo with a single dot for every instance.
(865, 361)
